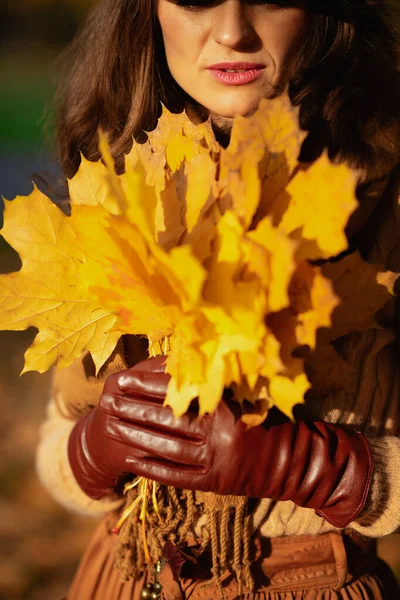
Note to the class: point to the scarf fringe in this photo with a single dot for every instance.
(225, 534)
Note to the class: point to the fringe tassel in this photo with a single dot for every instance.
(130, 555)
(225, 534)
(237, 545)
(212, 518)
(248, 577)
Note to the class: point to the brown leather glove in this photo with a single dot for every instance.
(97, 459)
(315, 465)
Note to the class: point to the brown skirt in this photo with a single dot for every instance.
(330, 566)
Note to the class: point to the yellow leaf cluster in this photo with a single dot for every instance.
(206, 247)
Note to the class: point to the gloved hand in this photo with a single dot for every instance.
(315, 465)
(98, 459)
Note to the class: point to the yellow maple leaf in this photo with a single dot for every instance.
(174, 128)
(87, 186)
(286, 392)
(362, 289)
(201, 172)
(49, 292)
(312, 300)
(240, 183)
(322, 199)
(272, 257)
(283, 139)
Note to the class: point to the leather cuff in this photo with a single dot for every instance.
(350, 496)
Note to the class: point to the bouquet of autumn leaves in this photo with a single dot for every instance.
(209, 252)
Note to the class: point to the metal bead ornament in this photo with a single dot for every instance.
(152, 591)
(148, 592)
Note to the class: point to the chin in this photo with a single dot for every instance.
(229, 109)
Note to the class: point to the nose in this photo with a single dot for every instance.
(233, 27)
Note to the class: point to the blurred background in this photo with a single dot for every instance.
(40, 542)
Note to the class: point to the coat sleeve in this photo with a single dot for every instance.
(381, 515)
(367, 399)
(377, 376)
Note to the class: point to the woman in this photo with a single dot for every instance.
(291, 508)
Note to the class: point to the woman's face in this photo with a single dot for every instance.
(257, 39)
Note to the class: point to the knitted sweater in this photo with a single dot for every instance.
(358, 387)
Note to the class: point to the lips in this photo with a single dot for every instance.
(236, 73)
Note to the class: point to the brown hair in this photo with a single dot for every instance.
(346, 81)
